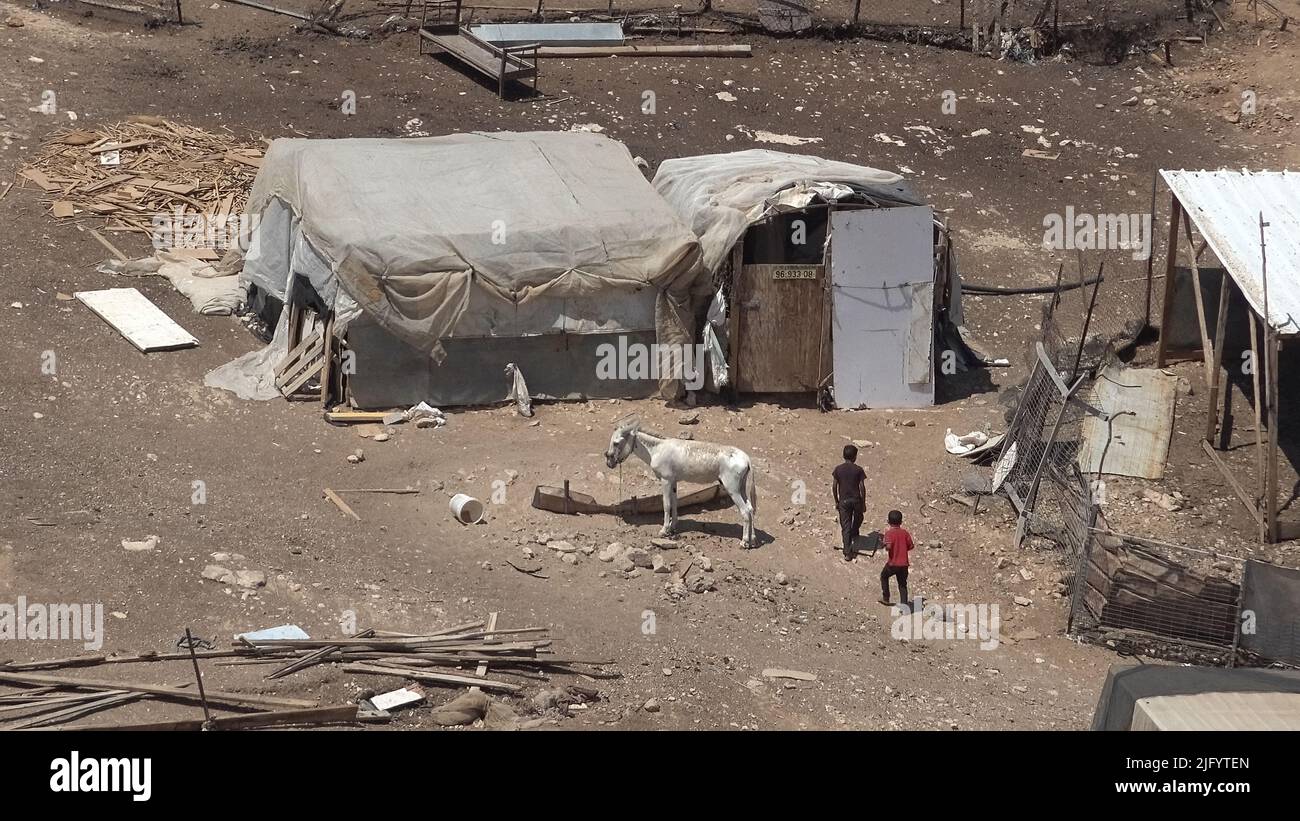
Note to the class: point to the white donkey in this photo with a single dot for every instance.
(682, 460)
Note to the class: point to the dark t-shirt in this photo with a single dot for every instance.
(847, 476)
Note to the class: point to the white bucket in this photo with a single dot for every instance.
(466, 509)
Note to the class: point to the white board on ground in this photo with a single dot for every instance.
(136, 318)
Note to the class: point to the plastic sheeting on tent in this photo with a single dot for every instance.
(410, 228)
(720, 195)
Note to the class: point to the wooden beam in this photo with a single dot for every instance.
(1220, 335)
(345, 714)
(1207, 348)
(1171, 264)
(1270, 491)
(1232, 480)
(1257, 404)
(161, 690)
(340, 504)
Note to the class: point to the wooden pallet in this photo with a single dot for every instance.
(305, 361)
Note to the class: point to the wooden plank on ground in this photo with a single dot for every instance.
(162, 690)
(340, 504)
(133, 316)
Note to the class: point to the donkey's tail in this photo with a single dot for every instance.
(751, 489)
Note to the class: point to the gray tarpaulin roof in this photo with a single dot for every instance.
(410, 226)
(1226, 207)
(721, 195)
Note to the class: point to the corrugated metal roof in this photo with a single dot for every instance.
(1225, 206)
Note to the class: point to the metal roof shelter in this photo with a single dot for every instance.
(1251, 221)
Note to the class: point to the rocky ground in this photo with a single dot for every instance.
(108, 449)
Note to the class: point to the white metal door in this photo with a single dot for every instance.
(882, 289)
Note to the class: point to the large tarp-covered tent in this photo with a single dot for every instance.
(443, 254)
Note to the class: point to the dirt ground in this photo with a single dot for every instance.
(124, 435)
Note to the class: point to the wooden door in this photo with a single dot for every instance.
(780, 321)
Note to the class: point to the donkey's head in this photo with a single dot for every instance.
(621, 442)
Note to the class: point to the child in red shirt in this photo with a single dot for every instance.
(898, 542)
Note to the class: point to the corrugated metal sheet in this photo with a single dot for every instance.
(1218, 711)
(1225, 206)
(550, 34)
(1136, 440)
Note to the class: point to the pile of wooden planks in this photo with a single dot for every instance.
(130, 171)
(456, 656)
(1130, 588)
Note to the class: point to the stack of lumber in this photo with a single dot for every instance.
(456, 656)
(163, 168)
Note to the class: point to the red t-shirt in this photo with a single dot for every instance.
(898, 541)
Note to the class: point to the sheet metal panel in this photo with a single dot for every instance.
(882, 262)
(1225, 206)
(550, 34)
(1136, 442)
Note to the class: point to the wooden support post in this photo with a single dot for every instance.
(1270, 492)
(1257, 404)
(1171, 264)
(327, 368)
(1207, 349)
(857, 9)
(180, 20)
(1151, 252)
(1220, 332)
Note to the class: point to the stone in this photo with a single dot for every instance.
(1162, 500)
(706, 564)
(651, 705)
(217, 573)
(148, 543)
(610, 552)
(639, 557)
(692, 418)
(664, 544)
(562, 546)
(935, 544)
(381, 437)
(1002, 563)
(569, 558)
(1022, 601)
(624, 564)
(782, 579)
(250, 579)
(659, 564)
(587, 549)
(1026, 574)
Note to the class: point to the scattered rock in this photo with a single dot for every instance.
(1162, 500)
(1022, 601)
(782, 579)
(148, 543)
(1026, 574)
(250, 579)
(664, 544)
(610, 552)
(217, 573)
(562, 546)
(569, 558)
(659, 564)
(692, 418)
(356, 457)
(639, 557)
(706, 564)
(651, 705)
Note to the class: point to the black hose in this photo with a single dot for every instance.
(994, 290)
